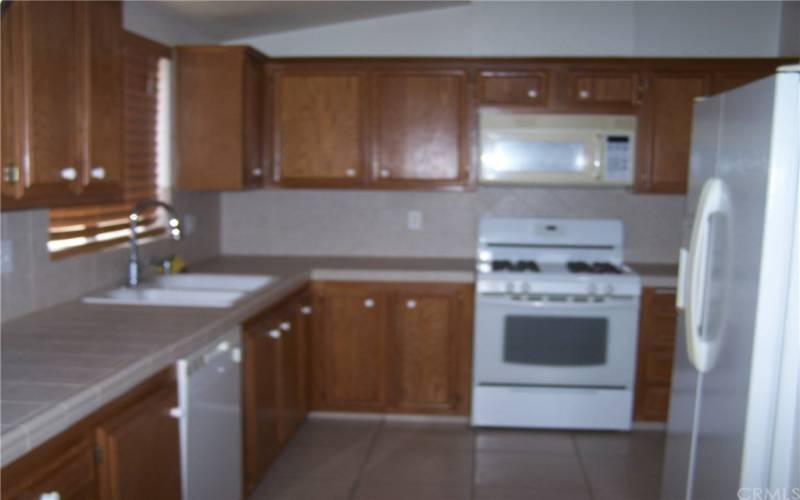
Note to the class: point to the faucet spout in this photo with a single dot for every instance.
(134, 217)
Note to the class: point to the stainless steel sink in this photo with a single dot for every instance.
(187, 290)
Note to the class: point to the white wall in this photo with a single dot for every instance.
(146, 18)
(499, 28)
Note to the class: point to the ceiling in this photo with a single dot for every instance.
(227, 20)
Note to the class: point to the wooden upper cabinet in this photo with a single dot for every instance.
(420, 127)
(349, 353)
(104, 166)
(607, 91)
(524, 88)
(139, 449)
(665, 128)
(319, 128)
(220, 119)
(62, 103)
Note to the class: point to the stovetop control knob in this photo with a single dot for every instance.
(591, 288)
(608, 289)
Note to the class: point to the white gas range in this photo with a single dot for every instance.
(556, 325)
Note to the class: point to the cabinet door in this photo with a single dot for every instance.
(103, 169)
(254, 154)
(665, 131)
(43, 82)
(71, 474)
(606, 91)
(420, 127)
(349, 366)
(261, 385)
(526, 88)
(319, 133)
(140, 450)
(424, 351)
(657, 323)
(289, 404)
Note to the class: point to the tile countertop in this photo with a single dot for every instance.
(60, 364)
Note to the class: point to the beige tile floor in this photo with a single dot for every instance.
(356, 459)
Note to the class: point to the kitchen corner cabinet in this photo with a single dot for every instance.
(392, 347)
(657, 326)
(220, 119)
(128, 449)
(274, 382)
(62, 103)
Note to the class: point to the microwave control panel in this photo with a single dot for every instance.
(619, 158)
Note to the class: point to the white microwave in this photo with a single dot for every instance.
(532, 148)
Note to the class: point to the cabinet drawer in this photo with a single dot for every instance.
(513, 87)
(611, 91)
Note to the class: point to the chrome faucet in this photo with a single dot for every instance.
(134, 216)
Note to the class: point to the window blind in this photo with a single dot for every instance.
(85, 228)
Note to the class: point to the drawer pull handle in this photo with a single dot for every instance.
(411, 304)
(306, 310)
(533, 93)
(274, 334)
(98, 173)
(369, 303)
(53, 495)
(583, 94)
(350, 172)
(69, 173)
(285, 326)
(385, 173)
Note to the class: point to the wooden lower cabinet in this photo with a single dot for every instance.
(274, 383)
(394, 347)
(139, 450)
(128, 449)
(657, 325)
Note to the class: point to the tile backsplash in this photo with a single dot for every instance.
(32, 281)
(374, 223)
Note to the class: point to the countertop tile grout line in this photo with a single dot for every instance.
(367, 456)
(584, 472)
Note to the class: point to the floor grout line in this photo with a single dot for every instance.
(584, 472)
(367, 456)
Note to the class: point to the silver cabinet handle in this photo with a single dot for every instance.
(533, 93)
(176, 412)
(257, 172)
(583, 94)
(51, 495)
(274, 334)
(69, 173)
(98, 172)
(285, 326)
(350, 172)
(411, 304)
(385, 173)
(306, 310)
(369, 303)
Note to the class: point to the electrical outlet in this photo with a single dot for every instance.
(6, 249)
(414, 220)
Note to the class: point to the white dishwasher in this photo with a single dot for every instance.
(209, 399)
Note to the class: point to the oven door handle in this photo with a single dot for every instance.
(549, 304)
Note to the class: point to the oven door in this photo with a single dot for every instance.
(556, 343)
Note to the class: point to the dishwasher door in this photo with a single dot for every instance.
(209, 394)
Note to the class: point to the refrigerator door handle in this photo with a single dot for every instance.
(713, 199)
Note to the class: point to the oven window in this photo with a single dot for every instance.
(558, 341)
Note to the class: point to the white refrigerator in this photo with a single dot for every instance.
(734, 418)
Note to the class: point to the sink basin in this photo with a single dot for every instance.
(187, 290)
(166, 297)
(199, 281)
